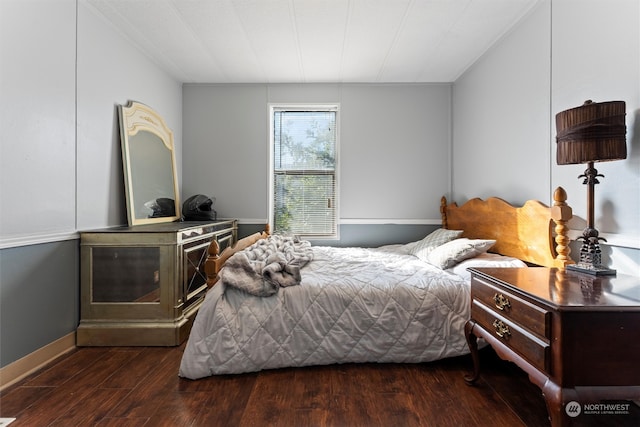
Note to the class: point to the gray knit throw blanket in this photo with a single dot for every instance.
(264, 267)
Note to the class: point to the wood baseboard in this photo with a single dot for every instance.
(30, 363)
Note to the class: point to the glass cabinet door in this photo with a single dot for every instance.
(195, 279)
(126, 274)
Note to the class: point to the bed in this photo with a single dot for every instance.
(276, 301)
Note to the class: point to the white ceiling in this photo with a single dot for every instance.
(304, 41)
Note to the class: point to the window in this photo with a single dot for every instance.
(303, 169)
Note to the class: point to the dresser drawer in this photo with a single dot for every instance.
(513, 308)
(532, 348)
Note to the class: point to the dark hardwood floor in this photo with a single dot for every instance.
(139, 387)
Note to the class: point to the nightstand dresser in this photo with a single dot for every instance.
(577, 336)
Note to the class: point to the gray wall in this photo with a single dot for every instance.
(38, 296)
(501, 117)
(394, 153)
(110, 71)
(598, 58)
(504, 111)
(393, 157)
(38, 117)
(61, 166)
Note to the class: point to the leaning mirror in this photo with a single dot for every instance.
(149, 164)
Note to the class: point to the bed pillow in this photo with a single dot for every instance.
(437, 238)
(455, 251)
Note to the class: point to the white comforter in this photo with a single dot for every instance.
(353, 305)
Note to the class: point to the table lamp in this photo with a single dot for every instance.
(593, 132)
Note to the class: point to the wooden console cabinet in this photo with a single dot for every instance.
(142, 285)
(577, 336)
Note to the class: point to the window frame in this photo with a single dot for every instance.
(275, 107)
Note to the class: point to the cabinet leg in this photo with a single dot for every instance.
(472, 342)
(556, 397)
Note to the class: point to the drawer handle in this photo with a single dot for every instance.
(501, 301)
(502, 330)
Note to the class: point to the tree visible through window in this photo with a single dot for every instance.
(303, 194)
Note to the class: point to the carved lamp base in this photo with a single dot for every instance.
(595, 270)
(591, 256)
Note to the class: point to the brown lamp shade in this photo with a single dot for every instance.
(593, 132)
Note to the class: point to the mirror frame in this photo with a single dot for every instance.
(134, 118)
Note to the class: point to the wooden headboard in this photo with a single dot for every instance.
(534, 232)
(215, 260)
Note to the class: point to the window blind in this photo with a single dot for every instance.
(304, 168)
